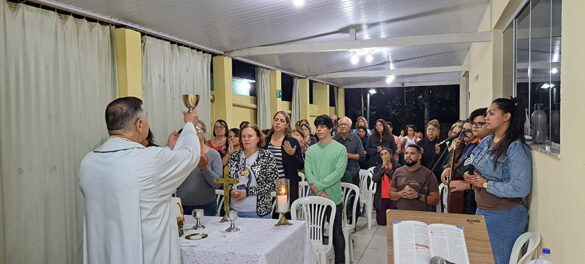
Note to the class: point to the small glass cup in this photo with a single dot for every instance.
(197, 214)
(232, 217)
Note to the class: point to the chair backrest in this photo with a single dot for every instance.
(348, 189)
(304, 189)
(444, 192)
(313, 213)
(302, 176)
(219, 200)
(533, 240)
(273, 197)
(363, 185)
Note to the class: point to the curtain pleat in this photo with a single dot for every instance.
(56, 79)
(263, 111)
(168, 71)
(296, 102)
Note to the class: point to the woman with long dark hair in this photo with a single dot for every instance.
(503, 174)
(381, 138)
(220, 133)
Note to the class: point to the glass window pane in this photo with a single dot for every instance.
(523, 55)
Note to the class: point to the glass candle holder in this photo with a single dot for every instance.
(282, 200)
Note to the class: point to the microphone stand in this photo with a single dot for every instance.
(425, 188)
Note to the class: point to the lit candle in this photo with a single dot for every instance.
(282, 200)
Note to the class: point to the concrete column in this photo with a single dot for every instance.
(222, 83)
(129, 62)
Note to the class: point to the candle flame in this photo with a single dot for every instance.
(282, 189)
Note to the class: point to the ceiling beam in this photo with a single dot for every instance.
(383, 84)
(364, 43)
(405, 71)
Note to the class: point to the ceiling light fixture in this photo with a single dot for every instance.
(355, 59)
(369, 58)
(298, 3)
(390, 79)
(554, 71)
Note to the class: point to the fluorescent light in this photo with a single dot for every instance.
(245, 86)
(355, 59)
(547, 85)
(372, 91)
(369, 58)
(390, 79)
(298, 3)
(554, 71)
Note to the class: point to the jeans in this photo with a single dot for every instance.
(504, 227)
(338, 238)
(252, 215)
(209, 209)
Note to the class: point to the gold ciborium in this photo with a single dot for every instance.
(190, 101)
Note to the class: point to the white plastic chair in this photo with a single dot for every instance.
(219, 201)
(313, 213)
(304, 189)
(302, 175)
(444, 192)
(533, 240)
(348, 189)
(367, 191)
(273, 197)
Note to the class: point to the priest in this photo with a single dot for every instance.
(127, 188)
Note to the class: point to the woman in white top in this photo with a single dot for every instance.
(410, 139)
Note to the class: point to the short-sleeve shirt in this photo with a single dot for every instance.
(415, 179)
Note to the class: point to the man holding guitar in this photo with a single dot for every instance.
(462, 197)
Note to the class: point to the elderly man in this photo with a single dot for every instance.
(128, 187)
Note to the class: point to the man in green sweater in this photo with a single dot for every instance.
(325, 163)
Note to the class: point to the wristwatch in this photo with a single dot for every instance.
(485, 185)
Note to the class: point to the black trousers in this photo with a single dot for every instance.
(338, 238)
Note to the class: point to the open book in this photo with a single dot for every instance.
(416, 242)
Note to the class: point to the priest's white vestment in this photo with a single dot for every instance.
(127, 190)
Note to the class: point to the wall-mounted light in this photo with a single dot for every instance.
(372, 91)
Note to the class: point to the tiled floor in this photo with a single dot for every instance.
(370, 244)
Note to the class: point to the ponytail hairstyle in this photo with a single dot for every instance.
(515, 107)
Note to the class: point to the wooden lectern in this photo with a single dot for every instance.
(476, 236)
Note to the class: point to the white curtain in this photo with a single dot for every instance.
(168, 71)
(296, 102)
(57, 77)
(263, 110)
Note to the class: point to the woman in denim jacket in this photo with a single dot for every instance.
(502, 178)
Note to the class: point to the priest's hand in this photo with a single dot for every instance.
(288, 149)
(203, 161)
(313, 187)
(172, 139)
(192, 116)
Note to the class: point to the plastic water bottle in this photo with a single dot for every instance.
(544, 258)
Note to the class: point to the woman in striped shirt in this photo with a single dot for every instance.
(286, 151)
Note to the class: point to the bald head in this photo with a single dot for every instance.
(122, 113)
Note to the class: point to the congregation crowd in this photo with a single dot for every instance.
(487, 152)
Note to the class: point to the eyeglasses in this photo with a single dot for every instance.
(344, 125)
(478, 124)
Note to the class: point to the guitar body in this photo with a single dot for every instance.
(455, 199)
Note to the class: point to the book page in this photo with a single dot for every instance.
(411, 242)
(448, 242)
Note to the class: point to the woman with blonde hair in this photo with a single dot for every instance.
(361, 121)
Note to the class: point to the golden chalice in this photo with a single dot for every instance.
(190, 101)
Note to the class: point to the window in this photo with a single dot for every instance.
(332, 93)
(287, 87)
(534, 37)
